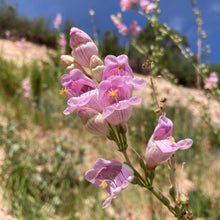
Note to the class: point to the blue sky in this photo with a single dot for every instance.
(177, 13)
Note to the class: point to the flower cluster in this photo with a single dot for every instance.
(109, 102)
(134, 28)
(145, 5)
(101, 93)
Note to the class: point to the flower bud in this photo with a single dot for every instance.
(97, 67)
(183, 199)
(74, 65)
(93, 121)
(66, 60)
(82, 46)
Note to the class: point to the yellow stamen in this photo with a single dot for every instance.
(120, 67)
(172, 139)
(103, 184)
(113, 93)
(63, 91)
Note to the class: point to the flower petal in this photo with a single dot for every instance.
(185, 144)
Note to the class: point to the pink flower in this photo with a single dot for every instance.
(134, 28)
(211, 81)
(110, 175)
(115, 97)
(26, 85)
(144, 4)
(80, 90)
(57, 21)
(127, 4)
(122, 28)
(116, 66)
(150, 8)
(62, 43)
(82, 46)
(93, 121)
(162, 145)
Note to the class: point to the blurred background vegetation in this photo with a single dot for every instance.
(44, 154)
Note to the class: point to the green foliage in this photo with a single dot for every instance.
(203, 206)
(39, 179)
(110, 45)
(36, 30)
(166, 53)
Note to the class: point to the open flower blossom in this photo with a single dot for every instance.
(127, 4)
(134, 28)
(82, 46)
(57, 21)
(26, 85)
(116, 66)
(115, 97)
(80, 90)
(110, 175)
(211, 81)
(162, 145)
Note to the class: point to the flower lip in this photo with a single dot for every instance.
(112, 176)
(116, 66)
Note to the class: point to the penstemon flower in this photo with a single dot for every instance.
(144, 4)
(127, 4)
(110, 175)
(122, 28)
(80, 90)
(93, 121)
(115, 96)
(162, 145)
(82, 46)
(57, 21)
(134, 28)
(211, 81)
(116, 66)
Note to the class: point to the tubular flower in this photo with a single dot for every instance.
(93, 121)
(115, 98)
(144, 4)
(122, 28)
(116, 66)
(211, 81)
(127, 4)
(134, 28)
(110, 175)
(150, 8)
(82, 46)
(57, 21)
(80, 90)
(162, 145)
